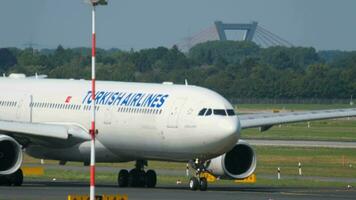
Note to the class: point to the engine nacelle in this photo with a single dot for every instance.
(10, 155)
(238, 163)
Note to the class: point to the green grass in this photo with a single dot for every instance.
(324, 162)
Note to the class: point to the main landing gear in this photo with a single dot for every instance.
(15, 179)
(137, 177)
(198, 181)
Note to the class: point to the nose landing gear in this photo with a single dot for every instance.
(198, 181)
(137, 177)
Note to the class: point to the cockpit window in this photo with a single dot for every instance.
(202, 112)
(219, 112)
(209, 112)
(230, 112)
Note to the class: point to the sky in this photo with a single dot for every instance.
(137, 24)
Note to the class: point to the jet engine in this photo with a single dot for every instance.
(10, 155)
(238, 163)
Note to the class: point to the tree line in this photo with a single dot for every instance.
(235, 69)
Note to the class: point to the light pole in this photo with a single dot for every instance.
(93, 130)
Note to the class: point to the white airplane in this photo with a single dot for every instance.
(50, 119)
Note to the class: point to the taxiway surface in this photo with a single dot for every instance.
(40, 190)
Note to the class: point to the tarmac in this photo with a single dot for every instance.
(41, 190)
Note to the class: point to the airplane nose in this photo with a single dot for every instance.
(230, 128)
(224, 133)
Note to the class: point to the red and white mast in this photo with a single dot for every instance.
(93, 130)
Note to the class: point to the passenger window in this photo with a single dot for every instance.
(209, 112)
(202, 112)
(219, 112)
(230, 112)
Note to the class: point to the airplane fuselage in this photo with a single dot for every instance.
(134, 120)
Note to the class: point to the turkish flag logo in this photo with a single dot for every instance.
(68, 99)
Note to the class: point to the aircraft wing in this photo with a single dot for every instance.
(267, 120)
(44, 133)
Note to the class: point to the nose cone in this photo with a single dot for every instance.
(231, 126)
(229, 132)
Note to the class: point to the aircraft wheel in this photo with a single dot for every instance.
(133, 178)
(141, 178)
(203, 184)
(193, 183)
(123, 178)
(151, 179)
(16, 179)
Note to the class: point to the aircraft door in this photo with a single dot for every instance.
(191, 114)
(24, 109)
(174, 113)
(107, 115)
